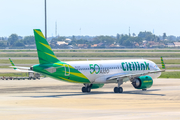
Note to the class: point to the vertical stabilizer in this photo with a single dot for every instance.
(45, 53)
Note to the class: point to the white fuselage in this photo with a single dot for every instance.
(98, 71)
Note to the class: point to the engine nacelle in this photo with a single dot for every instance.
(96, 86)
(142, 82)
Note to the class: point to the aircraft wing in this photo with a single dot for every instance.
(130, 76)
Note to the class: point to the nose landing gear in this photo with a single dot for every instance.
(86, 89)
(118, 90)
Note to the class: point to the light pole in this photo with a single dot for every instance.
(45, 20)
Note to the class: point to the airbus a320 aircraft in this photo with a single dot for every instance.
(94, 74)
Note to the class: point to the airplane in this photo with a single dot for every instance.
(94, 74)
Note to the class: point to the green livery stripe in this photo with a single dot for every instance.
(68, 80)
(12, 63)
(63, 64)
(51, 55)
(39, 33)
(45, 53)
(78, 75)
(45, 45)
(162, 62)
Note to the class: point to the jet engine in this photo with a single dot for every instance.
(142, 82)
(95, 86)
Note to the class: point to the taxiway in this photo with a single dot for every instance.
(52, 99)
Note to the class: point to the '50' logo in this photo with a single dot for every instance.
(94, 68)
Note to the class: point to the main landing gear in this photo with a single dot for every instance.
(119, 89)
(87, 88)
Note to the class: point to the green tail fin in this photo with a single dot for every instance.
(12, 63)
(162, 62)
(45, 53)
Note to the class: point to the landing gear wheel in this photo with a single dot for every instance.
(83, 89)
(118, 90)
(86, 89)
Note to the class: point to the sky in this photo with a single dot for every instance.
(90, 17)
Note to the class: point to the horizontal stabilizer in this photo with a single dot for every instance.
(26, 68)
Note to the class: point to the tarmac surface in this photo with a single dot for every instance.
(50, 99)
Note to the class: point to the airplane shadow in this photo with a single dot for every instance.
(144, 92)
(66, 94)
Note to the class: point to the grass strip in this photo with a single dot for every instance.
(36, 61)
(140, 55)
(173, 74)
(14, 74)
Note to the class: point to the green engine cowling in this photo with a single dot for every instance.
(142, 82)
(96, 86)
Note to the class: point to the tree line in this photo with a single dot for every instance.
(17, 41)
(120, 39)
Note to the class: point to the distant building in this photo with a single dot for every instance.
(136, 44)
(161, 44)
(70, 47)
(82, 45)
(170, 45)
(68, 40)
(154, 46)
(144, 41)
(177, 44)
(100, 44)
(157, 44)
(61, 43)
(152, 42)
(95, 45)
(114, 46)
(31, 46)
(142, 46)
